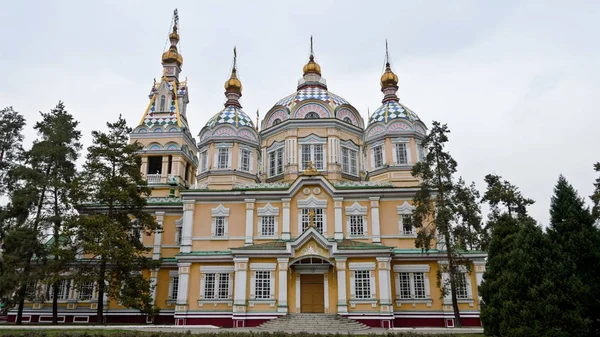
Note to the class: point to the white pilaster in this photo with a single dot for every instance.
(298, 293)
(249, 220)
(285, 234)
(240, 279)
(375, 219)
(183, 287)
(186, 227)
(338, 215)
(153, 281)
(160, 216)
(479, 270)
(283, 275)
(326, 291)
(385, 286)
(340, 265)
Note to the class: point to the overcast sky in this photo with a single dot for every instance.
(516, 81)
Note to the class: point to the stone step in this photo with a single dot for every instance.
(312, 323)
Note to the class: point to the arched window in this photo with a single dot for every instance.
(276, 121)
(312, 115)
(162, 103)
(347, 120)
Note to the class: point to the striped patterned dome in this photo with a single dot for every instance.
(230, 115)
(392, 110)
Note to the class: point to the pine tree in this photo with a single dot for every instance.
(115, 217)
(596, 196)
(11, 144)
(435, 209)
(469, 232)
(577, 242)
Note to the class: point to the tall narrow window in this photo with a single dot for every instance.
(275, 162)
(349, 161)
(405, 292)
(223, 159)
(86, 291)
(362, 284)
(209, 286)
(203, 161)
(262, 285)
(245, 162)
(461, 286)
(401, 157)
(312, 153)
(162, 103)
(419, 281)
(357, 226)
(174, 288)
(312, 217)
(170, 164)
(407, 228)
(187, 171)
(378, 156)
(220, 226)
(421, 152)
(267, 225)
(223, 286)
(154, 165)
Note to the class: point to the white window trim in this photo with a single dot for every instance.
(312, 202)
(204, 152)
(358, 210)
(350, 150)
(362, 266)
(229, 147)
(178, 231)
(268, 165)
(312, 156)
(220, 211)
(405, 141)
(270, 267)
(250, 159)
(268, 210)
(218, 271)
(170, 298)
(445, 276)
(372, 153)
(415, 268)
(405, 209)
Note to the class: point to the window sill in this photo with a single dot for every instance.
(270, 301)
(410, 236)
(171, 301)
(267, 237)
(212, 237)
(372, 301)
(413, 301)
(362, 236)
(215, 302)
(470, 301)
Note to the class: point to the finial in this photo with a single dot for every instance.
(311, 48)
(387, 55)
(172, 55)
(257, 117)
(234, 57)
(312, 66)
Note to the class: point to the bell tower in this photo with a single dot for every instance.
(169, 154)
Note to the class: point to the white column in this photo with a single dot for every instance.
(240, 279)
(183, 287)
(338, 217)
(385, 284)
(282, 305)
(479, 270)
(375, 219)
(160, 216)
(298, 293)
(326, 292)
(153, 281)
(285, 234)
(186, 227)
(249, 220)
(340, 265)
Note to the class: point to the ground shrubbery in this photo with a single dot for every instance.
(113, 333)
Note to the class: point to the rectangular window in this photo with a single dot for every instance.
(223, 158)
(86, 291)
(404, 290)
(178, 236)
(63, 290)
(223, 286)
(275, 162)
(378, 156)
(175, 288)
(362, 284)
(203, 161)
(407, 228)
(349, 161)
(421, 152)
(312, 153)
(154, 165)
(31, 290)
(267, 225)
(312, 216)
(209, 286)
(401, 156)
(219, 226)
(357, 225)
(419, 281)
(262, 285)
(461, 286)
(170, 164)
(245, 164)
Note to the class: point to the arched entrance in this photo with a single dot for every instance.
(312, 283)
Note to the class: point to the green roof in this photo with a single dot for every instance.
(206, 253)
(271, 245)
(431, 251)
(351, 244)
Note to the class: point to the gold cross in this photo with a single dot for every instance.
(311, 218)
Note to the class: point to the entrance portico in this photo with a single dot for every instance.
(312, 284)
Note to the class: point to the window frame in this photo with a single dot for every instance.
(220, 212)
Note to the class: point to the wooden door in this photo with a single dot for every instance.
(312, 293)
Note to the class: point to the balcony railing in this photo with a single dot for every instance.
(153, 178)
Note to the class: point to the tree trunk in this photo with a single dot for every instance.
(22, 290)
(55, 302)
(452, 274)
(101, 285)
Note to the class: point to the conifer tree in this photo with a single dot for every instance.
(435, 209)
(577, 275)
(110, 231)
(11, 144)
(469, 233)
(596, 196)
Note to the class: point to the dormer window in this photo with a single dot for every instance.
(163, 100)
(312, 115)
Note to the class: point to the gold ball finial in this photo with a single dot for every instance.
(233, 84)
(388, 79)
(312, 66)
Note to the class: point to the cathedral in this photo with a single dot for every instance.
(302, 212)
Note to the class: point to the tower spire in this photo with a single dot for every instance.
(389, 80)
(233, 86)
(172, 60)
(312, 70)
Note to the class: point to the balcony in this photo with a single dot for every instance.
(153, 178)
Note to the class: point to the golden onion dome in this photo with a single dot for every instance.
(389, 79)
(312, 66)
(233, 84)
(172, 55)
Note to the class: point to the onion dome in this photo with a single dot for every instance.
(312, 66)
(172, 55)
(388, 79)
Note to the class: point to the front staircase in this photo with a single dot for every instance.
(322, 323)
